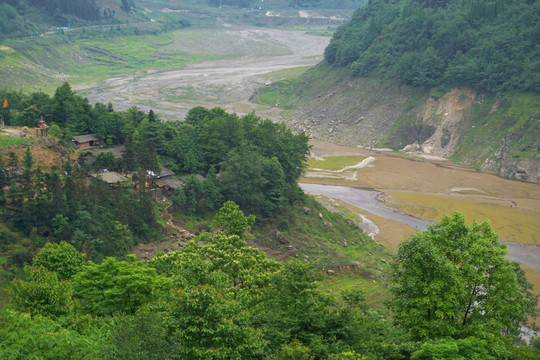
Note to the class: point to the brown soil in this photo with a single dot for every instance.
(45, 151)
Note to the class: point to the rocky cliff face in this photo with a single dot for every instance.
(462, 125)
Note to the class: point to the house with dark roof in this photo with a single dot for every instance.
(169, 183)
(164, 172)
(86, 141)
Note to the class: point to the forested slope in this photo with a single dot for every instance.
(454, 79)
(31, 17)
(490, 46)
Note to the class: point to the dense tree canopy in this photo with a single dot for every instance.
(218, 298)
(453, 280)
(62, 258)
(489, 45)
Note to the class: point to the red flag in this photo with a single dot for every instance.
(5, 103)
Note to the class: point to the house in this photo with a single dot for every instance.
(169, 183)
(86, 141)
(90, 156)
(163, 173)
(110, 177)
(164, 179)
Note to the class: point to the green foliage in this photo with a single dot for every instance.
(139, 336)
(114, 287)
(232, 221)
(462, 349)
(40, 337)
(106, 160)
(487, 45)
(244, 268)
(211, 325)
(218, 298)
(92, 217)
(248, 160)
(41, 293)
(61, 258)
(295, 351)
(453, 280)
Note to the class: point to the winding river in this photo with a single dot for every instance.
(367, 200)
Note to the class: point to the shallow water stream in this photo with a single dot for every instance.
(367, 200)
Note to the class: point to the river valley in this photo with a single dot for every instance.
(412, 191)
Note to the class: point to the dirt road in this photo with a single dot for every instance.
(225, 83)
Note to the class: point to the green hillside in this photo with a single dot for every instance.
(20, 18)
(453, 79)
(490, 46)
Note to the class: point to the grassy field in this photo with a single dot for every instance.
(7, 141)
(334, 163)
(375, 291)
(510, 222)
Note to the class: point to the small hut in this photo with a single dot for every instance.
(112, 178)
(86, 141)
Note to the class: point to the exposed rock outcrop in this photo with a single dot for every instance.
(368, 113)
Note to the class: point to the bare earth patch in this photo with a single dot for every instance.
(227, 83)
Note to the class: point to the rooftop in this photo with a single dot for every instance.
(85, 138)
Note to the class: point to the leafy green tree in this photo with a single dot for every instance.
(59, 224)
(211, 190)
(13, 162)
(295, 350)
(449, 349)
(209, 323)
(242, 179)
(196, 115)
(152, 117)
(140, 336)
(135, 116)
(108, 125)
(106, 160)
(232, 220)
(62, 258)
(453, 280)
(293, 308)
(39, 337)
(114, 287)
(189, 195)
(40, 292)
(274, 188)
(29, 117)
(211, 326)
(70, 109)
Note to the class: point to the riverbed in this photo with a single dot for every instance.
(368, 201)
